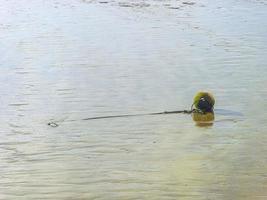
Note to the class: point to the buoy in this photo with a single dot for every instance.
(202, 107)
(200, 117)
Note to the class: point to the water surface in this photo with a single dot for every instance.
(65, 61)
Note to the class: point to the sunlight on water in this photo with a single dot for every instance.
(63, 61)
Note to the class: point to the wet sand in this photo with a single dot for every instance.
(66, 61)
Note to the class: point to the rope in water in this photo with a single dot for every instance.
(203, 102)
(134, 115)
(55, 124)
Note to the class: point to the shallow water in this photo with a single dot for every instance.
(63, 62)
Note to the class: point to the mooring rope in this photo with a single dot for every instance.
(145, 114)
(55, 124)
(203, 102)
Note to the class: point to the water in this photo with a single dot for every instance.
(65, 61)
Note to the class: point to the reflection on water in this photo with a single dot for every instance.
(71, 60)
(203, 119)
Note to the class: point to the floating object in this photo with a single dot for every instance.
(202, 109)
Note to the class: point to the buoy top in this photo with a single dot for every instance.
(204, 101)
